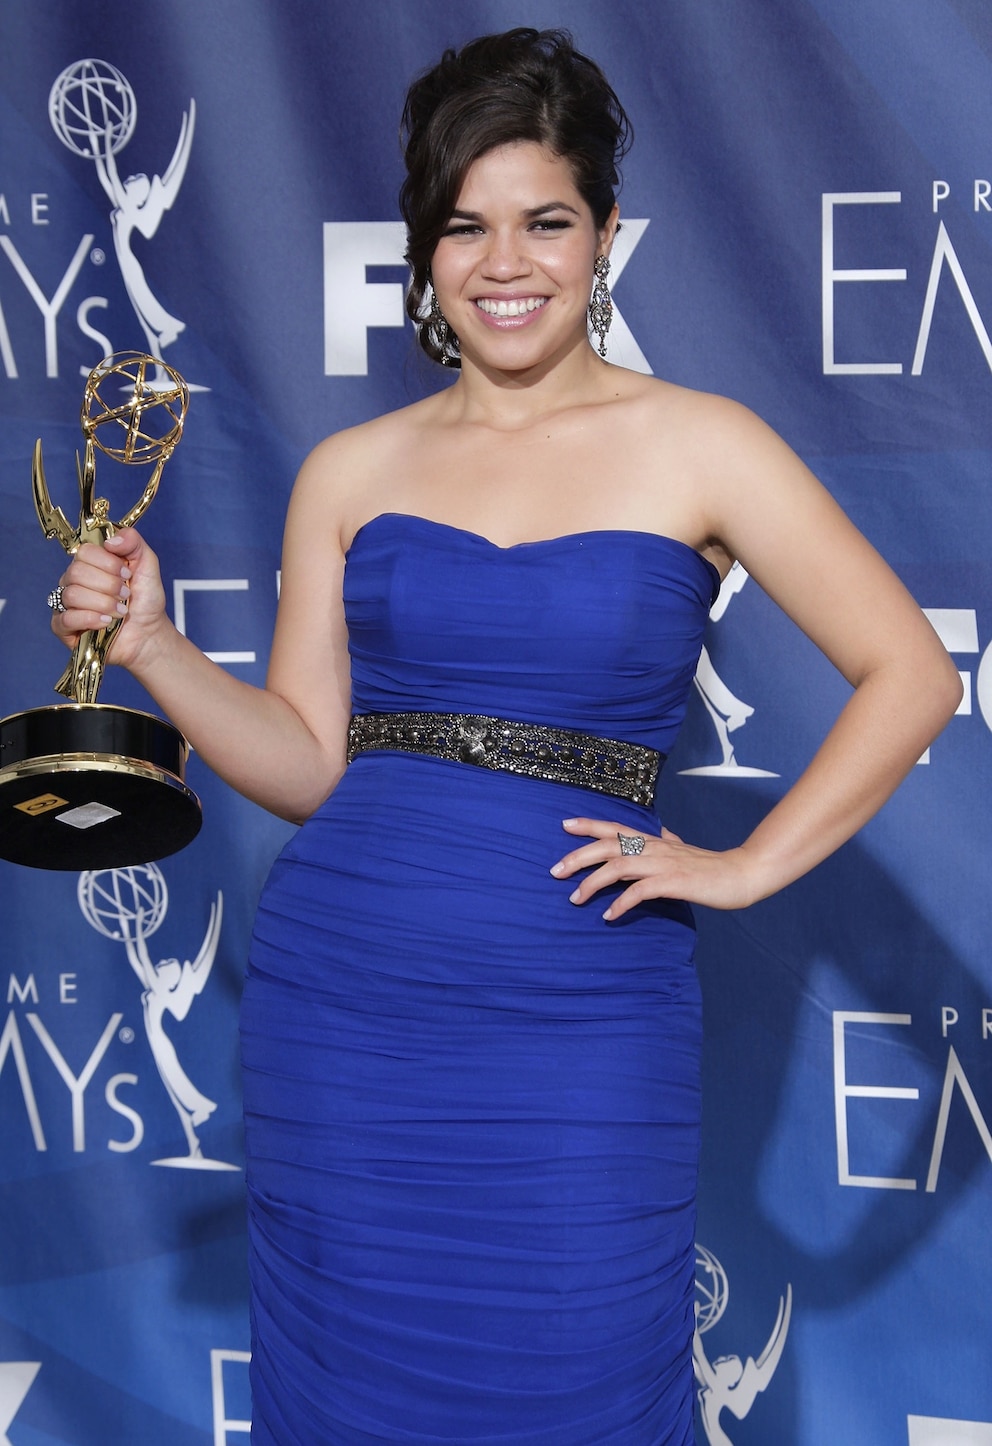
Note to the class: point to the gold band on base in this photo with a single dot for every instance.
(91, 763)
(558, 755)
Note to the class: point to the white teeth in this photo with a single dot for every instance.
(509, 308)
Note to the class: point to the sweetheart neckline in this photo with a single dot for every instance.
(539, 541)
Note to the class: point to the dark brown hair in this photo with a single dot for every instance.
(523, 85)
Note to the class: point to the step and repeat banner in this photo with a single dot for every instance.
(807, 228)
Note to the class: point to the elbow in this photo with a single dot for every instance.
(957, 692)
(303, 807)
(295, 813)
(293, 804)
(954, 692)
(944, 690)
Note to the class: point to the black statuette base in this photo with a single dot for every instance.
(89, 786)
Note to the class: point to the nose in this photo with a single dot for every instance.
(505, 259)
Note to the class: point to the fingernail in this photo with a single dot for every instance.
(125, 592)
(106, 618)
(608, 915)
(125, 572)
(567, 822)
(122, 607)
(557, 868)
(574, 898)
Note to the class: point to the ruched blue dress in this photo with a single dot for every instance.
(472, 1109)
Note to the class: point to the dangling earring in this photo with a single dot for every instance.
(439, 325)
(601, 305)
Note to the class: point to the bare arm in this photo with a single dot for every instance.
(767, 509)
(282, 746)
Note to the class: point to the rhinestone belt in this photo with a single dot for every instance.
(559, 755)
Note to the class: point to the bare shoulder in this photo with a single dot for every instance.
(340, 474)
(361, 451)
(763, 506)
(725, 451)
(697, 417)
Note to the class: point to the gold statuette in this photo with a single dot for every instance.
(84, 785)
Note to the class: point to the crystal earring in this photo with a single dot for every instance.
(601, 305)
(439, 325)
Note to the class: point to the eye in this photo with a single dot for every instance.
(461, 228)
(551, 224)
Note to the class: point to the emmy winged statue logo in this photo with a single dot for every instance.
(726, 711)
(727, 1383)
(129, 905)
(93, 110)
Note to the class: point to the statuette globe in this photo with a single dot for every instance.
(89, 101)
(146, 422)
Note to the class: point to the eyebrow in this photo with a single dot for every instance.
(530, 213)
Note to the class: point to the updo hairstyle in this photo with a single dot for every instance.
(523, 85)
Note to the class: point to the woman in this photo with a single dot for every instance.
(471, 1084)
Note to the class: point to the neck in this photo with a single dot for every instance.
(516, 399)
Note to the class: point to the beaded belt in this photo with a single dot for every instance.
(559, 755)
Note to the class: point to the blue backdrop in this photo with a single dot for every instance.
(809, 230)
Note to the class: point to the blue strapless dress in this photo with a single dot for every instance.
(472, 1109)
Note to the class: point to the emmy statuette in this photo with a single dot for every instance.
(86, 785)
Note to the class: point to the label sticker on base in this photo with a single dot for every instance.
(87, 814)
(43, 803)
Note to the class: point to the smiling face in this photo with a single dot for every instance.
(513, 271)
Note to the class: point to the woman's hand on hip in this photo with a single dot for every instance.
(663, 868)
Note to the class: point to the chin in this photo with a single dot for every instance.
(520, 352)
